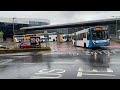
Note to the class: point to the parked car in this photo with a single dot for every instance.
(25, 45)
(1, 46)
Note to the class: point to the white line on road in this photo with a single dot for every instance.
(43, 77)
(99, 74)
(51, 63)
(58, 70)
(95, 70)
(80, 74)
(80, 69)
(61, 62)
(114, 62)
(7, 61)
(109, 70)
(54, 70)
(114, 52)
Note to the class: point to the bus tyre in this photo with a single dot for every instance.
(84, 45)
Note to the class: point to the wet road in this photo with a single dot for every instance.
(63, 62)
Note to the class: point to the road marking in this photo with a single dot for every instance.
(8, 60)
(49, 62)
(100, 52)
(74, 54)
(114, 52)
(43, 77)
(99, 74)
(80, 69)
(105, 52)
(79, 74)
(77, 53)
(45, 73)
(114, 62)
(61, 70)
(58, 71)
(95, 70)
(109, 70)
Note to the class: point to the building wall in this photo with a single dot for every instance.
(6, 25)
(111, 28)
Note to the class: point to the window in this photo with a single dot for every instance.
(100, 35)
(84, 35)
(78, 36)
(65, 37)
(81, 36)
(73, 37)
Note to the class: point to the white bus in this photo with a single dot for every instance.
(52, 37)
(91, 37)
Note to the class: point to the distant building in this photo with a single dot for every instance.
(7, 25)
(74, 27)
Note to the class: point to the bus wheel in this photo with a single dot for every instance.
(84, 45)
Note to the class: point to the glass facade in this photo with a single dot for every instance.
(7, 28)
(33, 23)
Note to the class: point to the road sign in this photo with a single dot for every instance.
(45, 32)
(35, 41)
(45, 35)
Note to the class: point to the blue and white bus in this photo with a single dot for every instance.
(91, 37)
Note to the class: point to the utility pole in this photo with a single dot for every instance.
(13, 27)
(116, 17)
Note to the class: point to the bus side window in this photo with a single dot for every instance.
(78, 36)
(88, 35)
(81, 36)
(75, 37)
(84, 35)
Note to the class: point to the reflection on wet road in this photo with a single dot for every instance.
(63, 62)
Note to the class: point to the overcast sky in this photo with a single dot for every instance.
(61, 17)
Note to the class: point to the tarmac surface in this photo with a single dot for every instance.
(64, 62)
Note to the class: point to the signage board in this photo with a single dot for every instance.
(35, 41)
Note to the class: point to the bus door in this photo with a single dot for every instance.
(75, 39)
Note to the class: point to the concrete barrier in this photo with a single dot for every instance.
(2, 51)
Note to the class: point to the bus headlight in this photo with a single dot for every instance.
(94, 42)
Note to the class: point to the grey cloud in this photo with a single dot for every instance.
(60, 17)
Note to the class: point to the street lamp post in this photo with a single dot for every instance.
(116, 24)
(13, 27)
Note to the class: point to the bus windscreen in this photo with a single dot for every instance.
(100, 35)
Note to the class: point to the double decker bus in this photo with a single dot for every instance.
(27, 37)
(91, 37)
(18, 38)
(65, 37)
